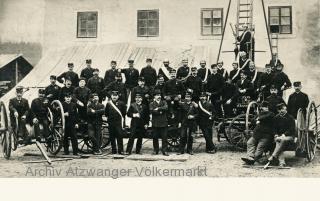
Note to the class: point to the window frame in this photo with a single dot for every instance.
(96, 24)
(280, 16)
(211, 25)
(147, 28)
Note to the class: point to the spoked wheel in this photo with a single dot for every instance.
(300, 130)
(311, 131)
(85, 145)
(56, 127)
(236, 131)
(174, 139)
(5, 135)
(105, 136)
(251, 114)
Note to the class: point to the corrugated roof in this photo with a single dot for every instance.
(7, 58)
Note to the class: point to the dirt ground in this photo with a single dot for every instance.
(225, 163)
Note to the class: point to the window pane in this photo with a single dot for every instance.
(274, 29)
(285, 11)
(274, 21)
(92, 16)
(206, 14)
(285, 20)
(274, 12)
(216, 13)
(142, 23)
(83, 32)
(206, 31)
(217, 21)
(142, 32)
(207, 21)
(216, 30)
(153, 15)
(142, 15)
(152, 31)
(285, 29)
(153, 23)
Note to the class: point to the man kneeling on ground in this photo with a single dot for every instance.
(262, 135)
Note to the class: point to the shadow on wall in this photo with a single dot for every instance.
(31, 51)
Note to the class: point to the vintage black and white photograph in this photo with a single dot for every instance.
(159, 88)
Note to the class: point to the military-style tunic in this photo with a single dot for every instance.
(87, 73)
(110, 76)
(165, 74)
(194, 83)
(296, 101)
(96, 85)
(173, 87)
(202, 73)
(183, 72)
(71, 75)
(52, 92)
(273, 101)
(64, 91)
(150, 75)
(116, 86)
(131, 75)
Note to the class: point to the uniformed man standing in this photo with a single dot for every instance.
(265, 81)
(115, 112)
(235, 72)
(95, 111)
(81, 95)
(39, 113)
(52, 91)
(19, 108)
(281, 80)
(149, 74)
(139, 114)
(183, 71)
(96, 84)
(297, 100)
(158, 109)
(254, 76)
(274, 61)
(274, 99)
(221, 70)
(70, 74)
(71, 124)
(205, 122)
(143, 90)
(131, 74)
(116, 85)
(188, 118)
(67, 89)
(111, 73)
(203, 72)
(164, 70)
(87, 72)
(246, 40)
(193, 84)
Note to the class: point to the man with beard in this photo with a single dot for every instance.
(235, 72)
(193, 84)
(203, 72)
(39, 111)
(205, 122)
(274, 99)
(52, 91)
(111, 74)
(67, 89)
(70, 74)
(221, 70)
(264, 83)
(81, 95)
(262, 135)
(87, 72)
(143, 90)
(149, 74)
(95, 110)
(164, 70)
(158, 109)
(297, 100)
(116, 85)
(254, 76)
(281, 80)
(183, 71)
(96, 84)
(139, 114)
(131, 74)
(115, 112)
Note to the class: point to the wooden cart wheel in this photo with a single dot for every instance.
(236, 131)
(5, 134)
(173, 139)
(300, 128)
(251, 114)
(311, 131)
(105, 136)
(56, 127)
(85, 145)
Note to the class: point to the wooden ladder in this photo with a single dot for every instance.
(274, 43)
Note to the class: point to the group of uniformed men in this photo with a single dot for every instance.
(187, 98)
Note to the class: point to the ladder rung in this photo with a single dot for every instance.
(244, 10)
(244, 17)
(245, 4)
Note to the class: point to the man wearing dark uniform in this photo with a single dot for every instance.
(71, 124)
(193, 84)
(95, 111)
(159, 85)
(246, 40)
(297, 100)
(116, 85)
(164, 70)
(52, 91)
(39, 112)
(67, 89)
(203, 72)
(158, 109)
(143, 90)
(229, 98)
(139, 114)
(222, 71)
(149, 74)
(87, 72)
(281, 80)
(19, 108)
(264, 83)
(285, 132)
(183, 71)
(70, 74)
(262, 135)
(235, 72)
(214, 87)
(111, 73)
(274, 61)
(188, 118)
(96, 84)
(244, 85)
(244, 62)
(274, 99)
(115, 112)
(205, 122)
(81, 95)
(254, 76)
(131, 74)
